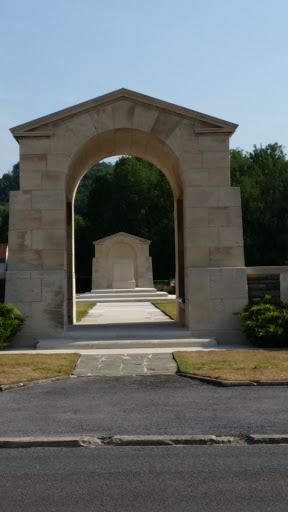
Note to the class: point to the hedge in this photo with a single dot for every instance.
(265, 323)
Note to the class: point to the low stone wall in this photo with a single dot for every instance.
(261, 285)
(267, 281)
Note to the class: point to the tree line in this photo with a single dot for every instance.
(132, 195)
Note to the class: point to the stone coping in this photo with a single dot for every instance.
(283, 269)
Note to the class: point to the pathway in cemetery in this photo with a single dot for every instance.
(126, 339)
(136, 362)
(125, 312)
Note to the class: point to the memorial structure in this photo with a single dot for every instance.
(190, 148)
(122, 261)
(122, 270)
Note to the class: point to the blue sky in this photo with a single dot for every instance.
(226, 58)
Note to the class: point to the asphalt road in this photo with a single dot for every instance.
(200, 478)
(106, 406)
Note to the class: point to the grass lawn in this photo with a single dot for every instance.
(27, 367)
(82, 309)
(254, 365)
(167, 306)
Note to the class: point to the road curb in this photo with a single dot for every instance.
(39, 442)
(115, 441)
(269, 439)
(207, 380)
(232, 383)
(30, 383)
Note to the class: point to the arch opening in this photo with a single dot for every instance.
(124, 141)
(146, 147)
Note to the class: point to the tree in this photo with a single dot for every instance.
(8, 182)
(4, 221)
(85, 184)
(263, 179)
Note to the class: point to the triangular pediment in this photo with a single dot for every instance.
(122, 235)
(205, 122)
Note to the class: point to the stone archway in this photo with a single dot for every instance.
(191, 148)
(140, 143)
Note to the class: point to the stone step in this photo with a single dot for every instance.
(62, 344)
(101, 300)
(123, 297)
(138, 331)
(120, 291)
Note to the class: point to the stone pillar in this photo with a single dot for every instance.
(215, 275)
(37, 265)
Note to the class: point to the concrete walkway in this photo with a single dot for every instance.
(125, 312)
(131, 364)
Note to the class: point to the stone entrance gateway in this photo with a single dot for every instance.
(192, 150)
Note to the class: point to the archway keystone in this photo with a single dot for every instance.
(191, 148)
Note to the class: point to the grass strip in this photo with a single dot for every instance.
(16, 368)
(254, 365)
(82, 309)
(167, 306)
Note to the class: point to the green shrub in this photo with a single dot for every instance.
(265, 323)
(11, 322)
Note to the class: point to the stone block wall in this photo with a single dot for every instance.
(260, 285)
(267, 281)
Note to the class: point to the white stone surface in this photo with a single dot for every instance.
(124, 313)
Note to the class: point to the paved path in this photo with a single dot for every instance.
(126, 312)
(126, 364)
